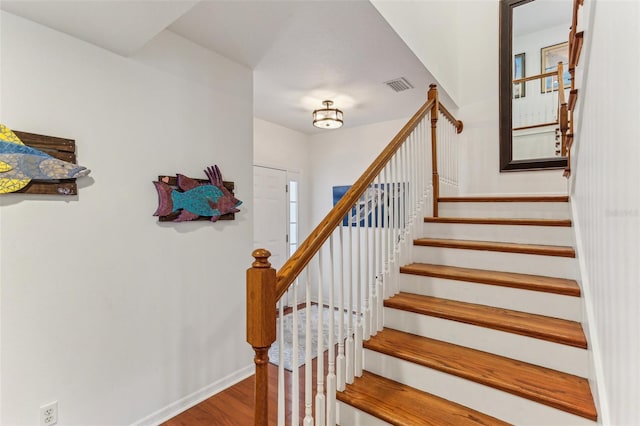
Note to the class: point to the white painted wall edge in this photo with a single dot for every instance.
(195, 398)
(597, 379)
(589, 14)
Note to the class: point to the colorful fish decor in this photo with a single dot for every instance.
(194, 199)
(19, 164)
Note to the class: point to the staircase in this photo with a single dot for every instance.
(486, 328)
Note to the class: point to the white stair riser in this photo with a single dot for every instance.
(540, 352)
(351, 416)
(535, 302)
(550, 235)
(511, 210)
(488, 400)
(551, 266)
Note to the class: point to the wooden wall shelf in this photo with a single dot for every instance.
(60, 148)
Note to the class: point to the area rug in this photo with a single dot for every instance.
(287, 356)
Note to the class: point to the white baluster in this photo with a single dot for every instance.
(395, 222)
(366, 323)
(308, 373)
(331, 375)
(380, 273)
(350, 354)
(295, 382)
(320, 398)
(386, 228)
(340, 362)
(281, 392)
(403, 207)
(358, 342)
(374, 258)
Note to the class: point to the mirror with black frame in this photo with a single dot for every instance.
(533, 40)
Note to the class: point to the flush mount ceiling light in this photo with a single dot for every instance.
(327, 117)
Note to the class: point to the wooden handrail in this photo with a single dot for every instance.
(575, 46)
(535, 126)
(535, 77)
(456, 123)
(296, 263)
(265, 287)
(573, 42)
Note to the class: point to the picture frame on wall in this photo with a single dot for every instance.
(519, 89)
(549, 58)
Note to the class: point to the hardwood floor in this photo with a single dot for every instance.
(234, 405)
(231, 407)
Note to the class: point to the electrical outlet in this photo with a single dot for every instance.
(49, 414)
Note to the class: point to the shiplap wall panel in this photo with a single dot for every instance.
(606, 197)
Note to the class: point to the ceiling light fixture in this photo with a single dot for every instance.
(327, 117)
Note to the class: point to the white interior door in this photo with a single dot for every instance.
(270, 213)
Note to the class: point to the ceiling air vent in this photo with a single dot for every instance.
(399, 84)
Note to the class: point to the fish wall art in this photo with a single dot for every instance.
(20, 164)
(195, 198)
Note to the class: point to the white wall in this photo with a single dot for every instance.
(431, 30)
(607, 202)
(478, 75)
(282, 148)
(340, 157)
(104, 309)
(458, 43)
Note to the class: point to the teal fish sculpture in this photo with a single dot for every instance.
(194, 199)
(19, 164)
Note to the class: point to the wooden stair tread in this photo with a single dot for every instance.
(400, 404)
(500, 221)
(537, 326)
(507, 199)
(505, 279)
(550, 387)
(562, 251)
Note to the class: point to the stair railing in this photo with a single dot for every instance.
(576, 39)
(340, 275)
(551, 112)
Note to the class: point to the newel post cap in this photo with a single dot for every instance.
(262, 258)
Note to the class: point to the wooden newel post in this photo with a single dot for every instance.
(433, 94)
(261, 326)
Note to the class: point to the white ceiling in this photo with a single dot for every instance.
(302, 52)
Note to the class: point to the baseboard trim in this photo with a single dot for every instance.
(195, 398)
(597, 377)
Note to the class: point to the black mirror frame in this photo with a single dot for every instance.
(505, 87)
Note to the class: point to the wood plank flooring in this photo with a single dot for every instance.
(234, 405)
(231, 407)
